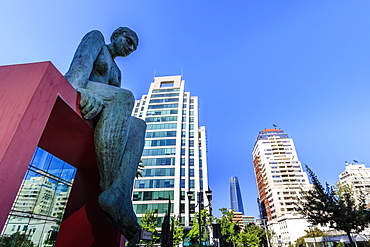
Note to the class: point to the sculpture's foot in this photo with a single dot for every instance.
(120, 214)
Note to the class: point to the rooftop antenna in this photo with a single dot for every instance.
(155, 72)
(182, 73)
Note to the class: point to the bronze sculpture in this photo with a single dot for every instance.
(118, 137)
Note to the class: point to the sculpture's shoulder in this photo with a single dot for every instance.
(94, 37)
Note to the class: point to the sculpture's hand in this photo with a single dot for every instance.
(91, 105)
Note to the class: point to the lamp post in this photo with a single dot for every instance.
(199, 204)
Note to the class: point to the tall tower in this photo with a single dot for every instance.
(236, 200)
(174, 156)
(278, 171)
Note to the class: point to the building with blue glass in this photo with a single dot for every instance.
(236, 201)
(174, 156)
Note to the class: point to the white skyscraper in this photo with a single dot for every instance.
(279, 177)
(357, 176)
(174, 156)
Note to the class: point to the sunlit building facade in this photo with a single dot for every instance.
(357, 177)
(279, 178)
(175, 152)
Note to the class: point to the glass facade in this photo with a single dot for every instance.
(236, 200)
(174, 143)
(37, 212)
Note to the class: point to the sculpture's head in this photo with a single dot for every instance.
(124, 41)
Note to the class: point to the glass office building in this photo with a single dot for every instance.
(37, 212)
(236, 200)
(174, 156)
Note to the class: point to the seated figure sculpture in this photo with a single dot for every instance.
(118, 137)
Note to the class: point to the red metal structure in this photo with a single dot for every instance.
(38, 107)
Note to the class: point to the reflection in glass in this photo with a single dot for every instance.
(41, 200)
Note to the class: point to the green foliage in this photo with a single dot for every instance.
(311, 233)
(206, 219)
(16, 240)
(149, 223)
(251, 236)
(233, 235)
(229, 229)
(334, 206)
(178, 231)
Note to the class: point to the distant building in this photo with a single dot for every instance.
(175, 152)
(242, 220)
(236, 200)
(357, 176)
(279, 178)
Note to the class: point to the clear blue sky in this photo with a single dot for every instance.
(302, 65)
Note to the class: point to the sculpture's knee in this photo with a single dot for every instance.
(122, 99)
(138, 126)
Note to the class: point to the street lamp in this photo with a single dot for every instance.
(199, 204)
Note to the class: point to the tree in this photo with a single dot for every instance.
(229, 229)
(149, 223)
(206, 220)
(336, 207)
(16, 240)
(178, 231)
(311, 233)
(251, 236)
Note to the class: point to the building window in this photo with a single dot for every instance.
(165, 100)
(161, 151)
(154, 183)
(165, 84)
(152, 195)
(161, 208)
(163, 106)
(161, 126)
(159, 162)
(160, 134)
(156, 143)
(191, 162)
(191, 143)
(192, 184)
(191, 172)
(161, 112)
(164, 95)
(166, 90)
(161, 119)
(158, 172)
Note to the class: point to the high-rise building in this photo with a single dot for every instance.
(278, 171)
(280, 178)
(174, 156)
(236, 200)
(357, 176)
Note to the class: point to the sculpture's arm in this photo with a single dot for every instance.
(84, 58)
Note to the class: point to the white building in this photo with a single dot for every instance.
(357, 176)
(279, 178)
(175, 153)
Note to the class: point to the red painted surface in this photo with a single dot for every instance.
(39, 107)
